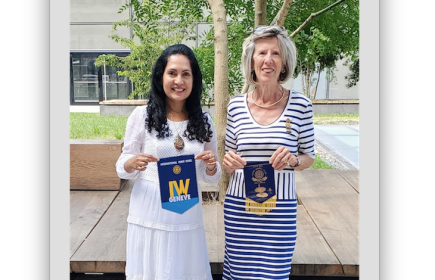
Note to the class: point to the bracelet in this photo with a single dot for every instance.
(214, 168)
(299, 162)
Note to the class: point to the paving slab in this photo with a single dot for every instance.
(342, 139)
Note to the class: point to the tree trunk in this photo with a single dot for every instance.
(221, 93)
(260, 12)
(317, 83)
(260, 19)
(308, 81)
(282, 14)
(327, 84)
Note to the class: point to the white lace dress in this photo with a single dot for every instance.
(162, 244)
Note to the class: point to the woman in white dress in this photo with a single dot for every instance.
(162, 244)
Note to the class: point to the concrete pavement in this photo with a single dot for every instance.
(342, 139)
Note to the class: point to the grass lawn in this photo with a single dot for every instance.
(96, 126)
(320, 164)
(336, 119)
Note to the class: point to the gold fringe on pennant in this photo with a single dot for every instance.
(260, 208)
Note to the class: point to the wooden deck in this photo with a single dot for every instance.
(328, 227)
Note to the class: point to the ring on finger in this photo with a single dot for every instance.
(287, 162)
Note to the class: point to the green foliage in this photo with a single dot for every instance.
(320, 164)
(153, 30)
(329, 37)
(353, 77)
(96, 126)
(205, 55)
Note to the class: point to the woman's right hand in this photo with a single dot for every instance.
(139, 162)
(232, 161)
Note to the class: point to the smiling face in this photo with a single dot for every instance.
(177, 78)
(267, 61)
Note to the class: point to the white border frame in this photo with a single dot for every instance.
(369, 139)
(59, 139)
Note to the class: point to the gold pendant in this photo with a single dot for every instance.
(178, 143)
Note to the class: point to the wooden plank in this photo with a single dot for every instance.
(221, 233)
(211, 225)
(86, 209)
(351, 176)
(92, 164)
(334, 207)
(325, 216)
(215, 235)
(312, 255)
(209, 213)
(104, 249)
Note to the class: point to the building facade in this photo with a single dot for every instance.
(90, 27)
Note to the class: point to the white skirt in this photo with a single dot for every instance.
(154, 254)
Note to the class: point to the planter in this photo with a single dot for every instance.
(92, 164)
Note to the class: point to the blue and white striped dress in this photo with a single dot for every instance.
(261, 246)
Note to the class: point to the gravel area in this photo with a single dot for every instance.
(331, 159)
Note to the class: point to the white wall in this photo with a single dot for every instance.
(337, 87)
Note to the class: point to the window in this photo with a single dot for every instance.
(91, 84)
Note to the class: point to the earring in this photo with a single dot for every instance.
(283, 71)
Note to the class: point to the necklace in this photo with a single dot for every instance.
(270, 105)
(178, 141)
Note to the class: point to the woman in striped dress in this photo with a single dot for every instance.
(272, 125)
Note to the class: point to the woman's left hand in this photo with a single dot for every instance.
(209, 158)
(282, 158)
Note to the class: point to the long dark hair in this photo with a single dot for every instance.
(198, 127)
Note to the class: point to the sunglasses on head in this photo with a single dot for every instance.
(262, 27)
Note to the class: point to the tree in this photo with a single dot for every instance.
(353, 77)
(154, 29)
(323, 31)
(331, 35)
(221, 81)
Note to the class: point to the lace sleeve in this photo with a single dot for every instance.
(133, 141)
(212, 146)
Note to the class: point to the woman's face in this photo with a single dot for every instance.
(177, 78)
(267, 60)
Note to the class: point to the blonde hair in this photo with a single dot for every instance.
(287, 49)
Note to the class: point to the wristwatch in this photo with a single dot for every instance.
(299, 162)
